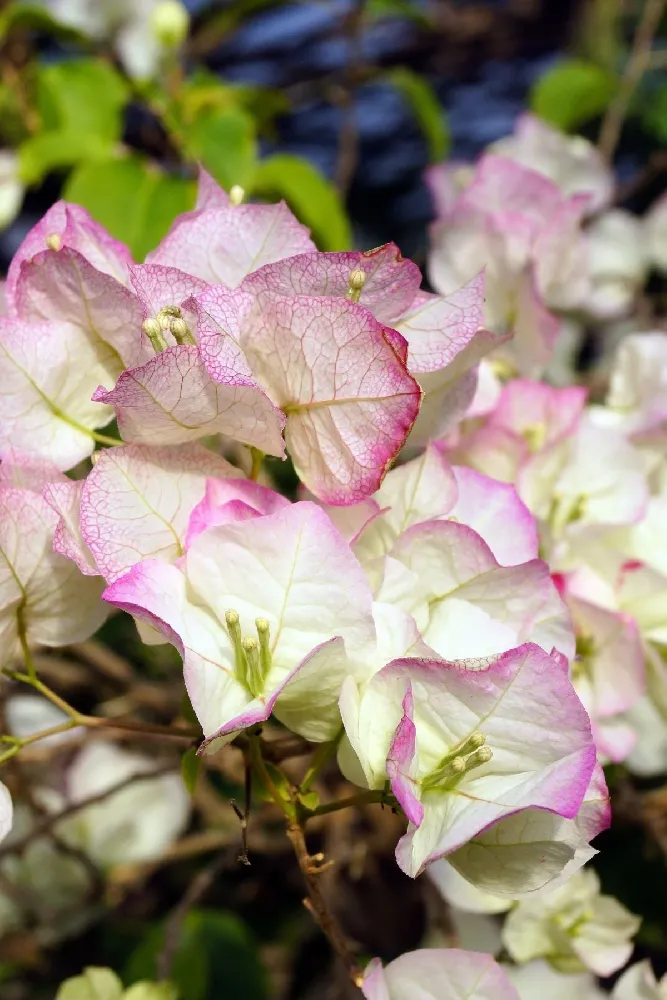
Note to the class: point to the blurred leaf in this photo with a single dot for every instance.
(46, 151)
(33, 17)
(224, 141)
(216, 957)
(653, 110)
(190, 764)
(82, 95)
(423, 101)
(572, 92)
(405, 9)
(136, 202)
(312, 198)
(93, 984)
(151, 991)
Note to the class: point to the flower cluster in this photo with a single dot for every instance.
(462, 596)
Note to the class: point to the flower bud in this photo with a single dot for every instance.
(170, 23)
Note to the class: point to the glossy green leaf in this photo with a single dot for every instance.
(81, 95)
(312, 198)
(136, 202)
(224, 141)
(216, 957)
(653, 110)
(423, 101)
(572, 92)
(190, 766)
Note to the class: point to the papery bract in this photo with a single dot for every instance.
(43, 596)
(638, 982)
(437, 974)
(464, 602)
(294, 571)
(136, 503)
(222, 244)
(574, 927)
(540, 981)
(337, 374)
(416, 716)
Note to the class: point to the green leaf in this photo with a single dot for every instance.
(653, 110)
(81, 95)
(572, 92)
(136, 202)
(190, 764)
(406, 10)
(423, 101)
(312, 198)
(151, 991)
(224, 141)
(216, 957)
(48, 151)
(93, 984)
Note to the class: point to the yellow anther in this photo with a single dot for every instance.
(236, 194)
(53, 241)
(231, 618)
(479, 757)
(180, 331)
(151, 328)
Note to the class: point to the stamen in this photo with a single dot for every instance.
(236, 194)
(264, 635)
(254, 677)
(481, 756)
(357, 282)
(53, 241)
(474, 741)
(181, 331)
(151, 328)
(234, 629)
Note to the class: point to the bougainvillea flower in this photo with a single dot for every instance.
(43, 596)
(6, 811)
(428, 488)
(445, 335)
(465, 745)
(531, 851)
(224, 243)
(137, 823)
(438, 974)
(540, 980)
(337, 374)
(518, 225)
(574, 927)
(135, 504)
(637, 397)
(617, 263)
(608, 673)
(638, 982)
(228, 500)
(464, 602)
(573, 163)
(48, 373)
(269, 614)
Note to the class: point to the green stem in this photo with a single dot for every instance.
(18, 743)
(321, 757)
(257, 459)
(23, 639)
(360, 799)
(260, 768)
(105, 439)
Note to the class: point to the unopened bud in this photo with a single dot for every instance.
(236, 194)
(170, 23)
(53, 241)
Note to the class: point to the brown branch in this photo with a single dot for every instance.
(195, 892)
(317, 904)
(638, 62)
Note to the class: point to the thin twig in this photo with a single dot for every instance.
(46, 825)
(638, 63)
(316, 904)
(195, 892)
